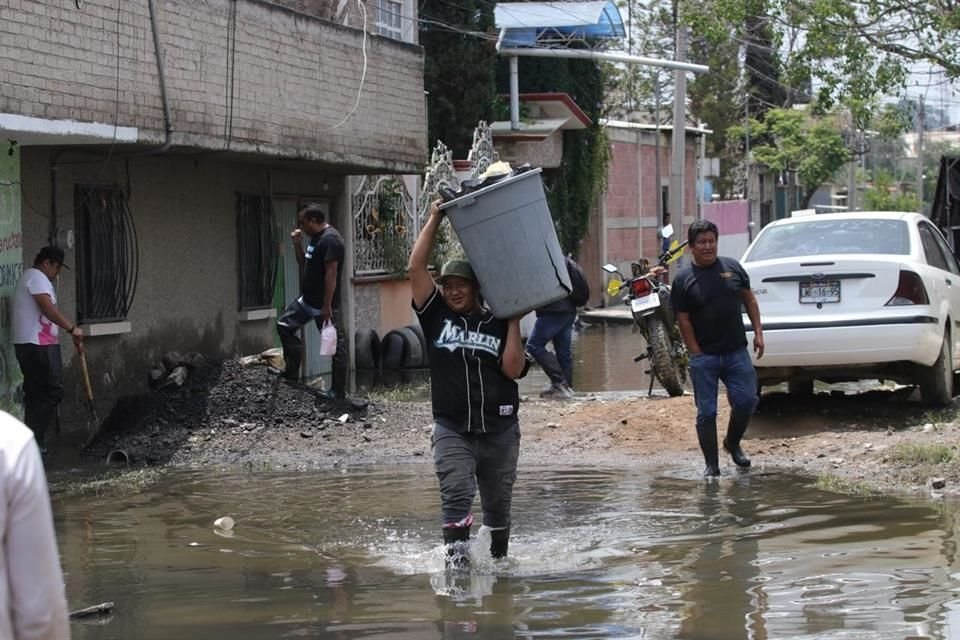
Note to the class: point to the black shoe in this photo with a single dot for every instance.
(711, 471)
(739, 457)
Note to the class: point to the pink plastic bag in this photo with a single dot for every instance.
(328, 339)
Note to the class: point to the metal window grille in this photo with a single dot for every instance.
(384, 224)
(107, 257)
(257, 251)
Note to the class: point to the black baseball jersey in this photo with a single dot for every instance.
(468, 390)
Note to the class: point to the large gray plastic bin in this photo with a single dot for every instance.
(508, 236)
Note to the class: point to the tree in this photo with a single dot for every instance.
(459, 69)
(811, 148)
(854, 50)
(884, 195)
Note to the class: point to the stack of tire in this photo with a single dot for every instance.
(404, 348)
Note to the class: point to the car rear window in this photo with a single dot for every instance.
(821, 237)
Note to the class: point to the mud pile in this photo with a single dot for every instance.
(221, 401)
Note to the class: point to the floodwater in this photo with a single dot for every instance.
(595, 553)
(602, 361)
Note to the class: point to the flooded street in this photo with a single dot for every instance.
(595, 553)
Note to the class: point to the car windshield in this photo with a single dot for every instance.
(821, 237)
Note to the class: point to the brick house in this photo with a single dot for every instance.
(172, 177)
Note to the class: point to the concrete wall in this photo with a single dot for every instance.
(294, 78)
(731, 218)
(631, 219)
(184, 209)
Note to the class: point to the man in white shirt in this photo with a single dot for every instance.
(32, 601)
(36, 322)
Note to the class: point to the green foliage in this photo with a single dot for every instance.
(458, 69)
(853, 51)
(716, 98)
(573, 189)
(885, 196)
(916, 454)
(813, 148)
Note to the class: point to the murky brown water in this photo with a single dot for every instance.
(602, 361)
(596, 553)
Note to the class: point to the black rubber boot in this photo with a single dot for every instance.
(499, 542)
(457, 540)
(735, 430)
(707, 435)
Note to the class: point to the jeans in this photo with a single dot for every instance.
(42, 386)
(738, 375)
(466, 461)
(558, 328)
(295, 316)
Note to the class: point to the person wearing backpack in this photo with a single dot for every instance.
(555, 324)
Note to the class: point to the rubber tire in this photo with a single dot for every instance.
(414, 352)
(366, 349)
(393, 347)
(664, 366)
(417, 329)
(936, 381)
(800, 388)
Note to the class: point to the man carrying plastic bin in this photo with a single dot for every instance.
(474, 361)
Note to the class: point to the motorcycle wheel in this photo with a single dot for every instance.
(664, 366)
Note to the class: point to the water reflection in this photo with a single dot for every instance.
(602, 361)
(597, 553)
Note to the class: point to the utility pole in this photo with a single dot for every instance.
(678, 155)
(919, 150)
(656, 162)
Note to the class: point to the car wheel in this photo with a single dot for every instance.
(800, 387)
(936, 381)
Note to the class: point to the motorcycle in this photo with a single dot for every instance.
(649, 300)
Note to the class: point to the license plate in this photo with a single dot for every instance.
(819, 291)
(646, 302)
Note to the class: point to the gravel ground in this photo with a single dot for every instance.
(226, 414)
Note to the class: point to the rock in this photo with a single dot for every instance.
(624, 421)
(553, 425)
(171, 360)
(155, 376)
(927, 428)
(868, 445)
(193, 360)
(176, 378)
(367, 438)
(938, 483)
(306, 434)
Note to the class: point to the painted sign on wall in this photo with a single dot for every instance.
(11, 265)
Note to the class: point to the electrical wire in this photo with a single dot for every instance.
(363, 73)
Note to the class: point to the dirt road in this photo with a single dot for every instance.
(226, 414)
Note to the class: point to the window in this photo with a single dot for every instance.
(256, 251)
(818, 237)
(931, 250)
(951, 259)
(107, 258)
(389, 19)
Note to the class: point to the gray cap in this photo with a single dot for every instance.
(458, 268)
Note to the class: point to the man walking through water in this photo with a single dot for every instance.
(474, 361)
(706, 296)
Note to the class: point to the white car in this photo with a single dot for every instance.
(855, 296)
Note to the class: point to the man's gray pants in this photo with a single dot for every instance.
(465, 462)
